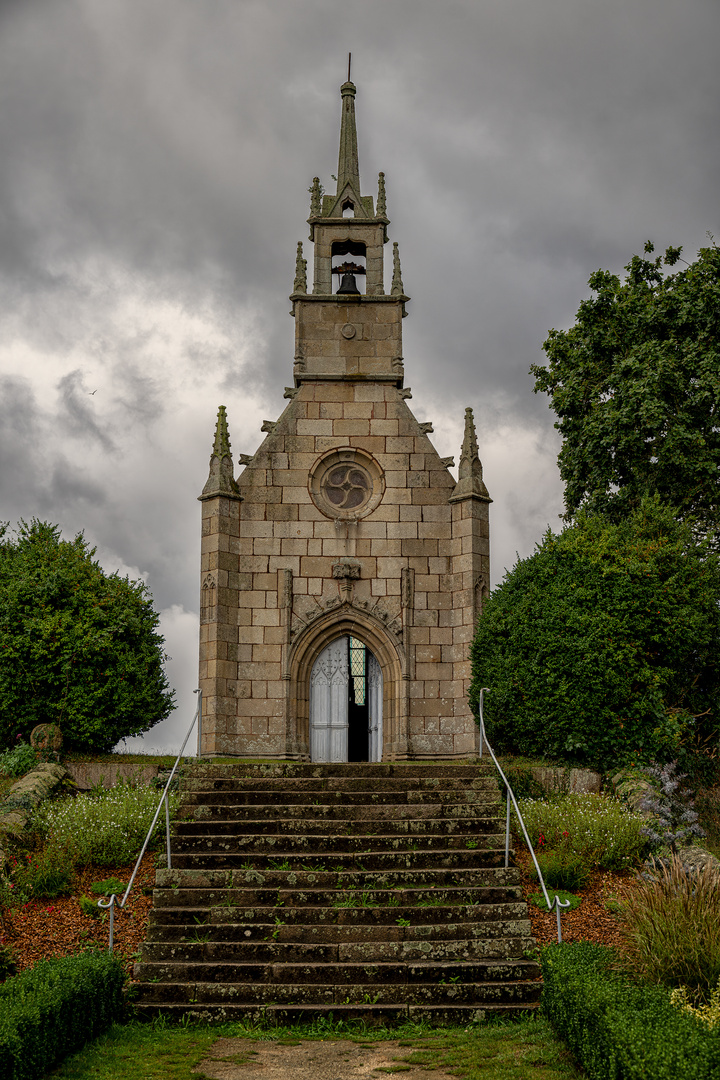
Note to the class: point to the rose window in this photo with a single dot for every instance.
(347, 487)
(346, 483)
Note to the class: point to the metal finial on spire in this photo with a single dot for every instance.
(221, 480)
(349, 62)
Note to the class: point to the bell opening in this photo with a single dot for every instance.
(350, 273)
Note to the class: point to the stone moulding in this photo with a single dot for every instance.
(378, 631)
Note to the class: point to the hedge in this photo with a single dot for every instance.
(618, 1029)
(54, 1008)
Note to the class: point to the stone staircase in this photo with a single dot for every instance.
(365, 891)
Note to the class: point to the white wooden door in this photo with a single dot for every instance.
(329, 703)
(375, 702)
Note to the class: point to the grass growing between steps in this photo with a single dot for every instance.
(524, 1049)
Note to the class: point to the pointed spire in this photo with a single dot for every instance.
(316, 192)
(470, 483)
(348, 167)
(381, 207)
(397, 288)
(221, 480)
(300, 283)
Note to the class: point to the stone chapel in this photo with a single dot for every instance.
(343, 569)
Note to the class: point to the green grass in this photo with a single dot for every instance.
(524, 1049)
(515, 1050)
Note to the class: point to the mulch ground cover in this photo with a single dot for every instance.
(592, 920)
(45, 928)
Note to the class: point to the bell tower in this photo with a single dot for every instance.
(344, 568)
(348, 327)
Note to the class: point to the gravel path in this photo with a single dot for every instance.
(239, 1059)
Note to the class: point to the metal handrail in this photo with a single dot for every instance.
(557, 903)
(111, 903)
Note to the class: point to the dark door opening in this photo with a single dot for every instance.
(358, 707)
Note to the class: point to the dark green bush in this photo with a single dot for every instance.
(601, 649)
(80, 648)
(54, 1008)
(8, 962)
(620, 1030)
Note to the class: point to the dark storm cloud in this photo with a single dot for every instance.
(76, 414)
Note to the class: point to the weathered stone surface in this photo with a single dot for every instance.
(293, 909)
(25, 794)
(46, 739)
(585, 781)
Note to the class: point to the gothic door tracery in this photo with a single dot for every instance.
(346, 703)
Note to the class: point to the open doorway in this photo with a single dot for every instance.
(346, 703)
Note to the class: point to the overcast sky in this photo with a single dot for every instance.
(155, 157)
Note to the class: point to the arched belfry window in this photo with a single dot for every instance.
(348, 208)
(351, 272)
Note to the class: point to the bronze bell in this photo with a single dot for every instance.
(348, 284)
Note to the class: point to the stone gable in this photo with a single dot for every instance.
(344, 523)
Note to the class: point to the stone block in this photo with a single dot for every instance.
(316, 428)
(351, 427)
(358, 410)
(427, 654)
(402, 530)
(400, 445)
(296, 495)
(330, 442)
(384, 427)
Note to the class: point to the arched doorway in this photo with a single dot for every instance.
(346, 696)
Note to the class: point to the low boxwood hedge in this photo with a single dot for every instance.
(54, 1008)
(618, 1029)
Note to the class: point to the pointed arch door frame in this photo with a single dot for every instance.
(329, 705)
(390, 657)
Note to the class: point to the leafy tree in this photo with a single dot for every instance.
(603, 647)
(635, 384)
(78, 647)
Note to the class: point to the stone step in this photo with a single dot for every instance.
(270, 951)
(349, 975)
(348, 918)
(436, 830)
(336, 899)
(194, 807)
(300, 769)
(322, 856)
(340, 877)
(365, 935)
(367, 796)
(187, 887)
(263, 993)
(309, 787)
(366, 1015)
(379, 861)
